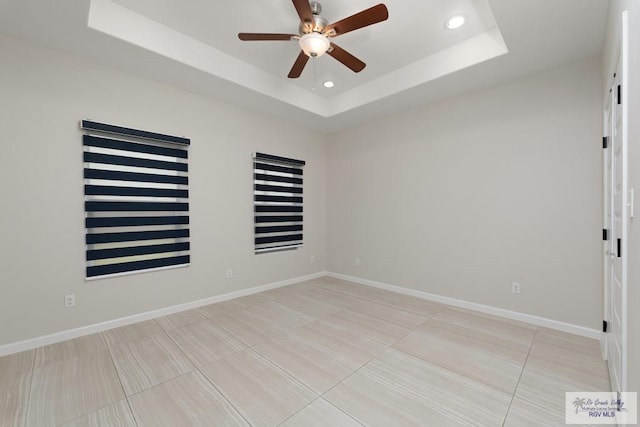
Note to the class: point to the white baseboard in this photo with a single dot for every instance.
(508, 314)
(123, 321)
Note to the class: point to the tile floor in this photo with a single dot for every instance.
(320, 353)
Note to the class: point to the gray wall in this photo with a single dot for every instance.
(463, 197)
(44, 95)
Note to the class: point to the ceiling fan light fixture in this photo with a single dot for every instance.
(455, 22)
(328, 84)
(314, 44)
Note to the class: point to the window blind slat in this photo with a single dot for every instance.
(123, 221)
(107, 190)
(273, 239)
(277, 228)
(132, 236)
(134, 206)
(277, 178)
(134, 161)
(136, 266)
(277, 168)
(134, 176)
(278, 189)
(286, 199)
(277, 208)
(278, 218)
(97, 254)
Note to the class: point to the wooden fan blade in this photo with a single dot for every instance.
(298, 66)
(304, 10)
(367, 17)
(346, 58)
(264, 36)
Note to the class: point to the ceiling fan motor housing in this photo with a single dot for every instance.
(318, 23)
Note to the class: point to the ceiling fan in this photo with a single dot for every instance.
(315, 32)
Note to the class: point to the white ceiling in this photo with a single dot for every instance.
(412, 59)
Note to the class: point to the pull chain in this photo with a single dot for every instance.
(313, 61)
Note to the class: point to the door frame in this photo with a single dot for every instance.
(622, 67)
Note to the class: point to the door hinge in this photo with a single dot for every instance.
(605, 325)
(619, 248)
(605, 234)
(605, 141)
(619, 95)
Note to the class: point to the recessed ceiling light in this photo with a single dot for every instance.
(328, 84)
(454, 22)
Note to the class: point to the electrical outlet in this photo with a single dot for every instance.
(515, 287)
(229, 273)
(69, 300)
(312, 259)
(357, 261)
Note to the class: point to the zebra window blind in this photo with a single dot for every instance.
(277, 195)
(136, 200)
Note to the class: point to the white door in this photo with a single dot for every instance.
(606, 217)
(617, 219)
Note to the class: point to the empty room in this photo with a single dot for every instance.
(332, 213)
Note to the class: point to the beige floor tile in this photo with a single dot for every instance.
(321, 413)
(15, 384)
(492, 345)
(78, 347)
(455, 355)
(353, 290)
(492, 325)
(148, 362)
(389, 314)
(319, 370)
(528, 414)
(374, 402)
(297, 288)
(568, 355)
(132, 332)
(568, 364)
(280, 316)
(352, 347)
(189, 400)
(261, 392)
(248, 327)
(567, 341)
(176, 320)
(329, 297)
(305, 304)
(205, 342)
(547, 390)
(218, 309)
(117, 415)
(418, 306)
(63, 391)
(370, 327)
(251, 300)
(470, 400)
